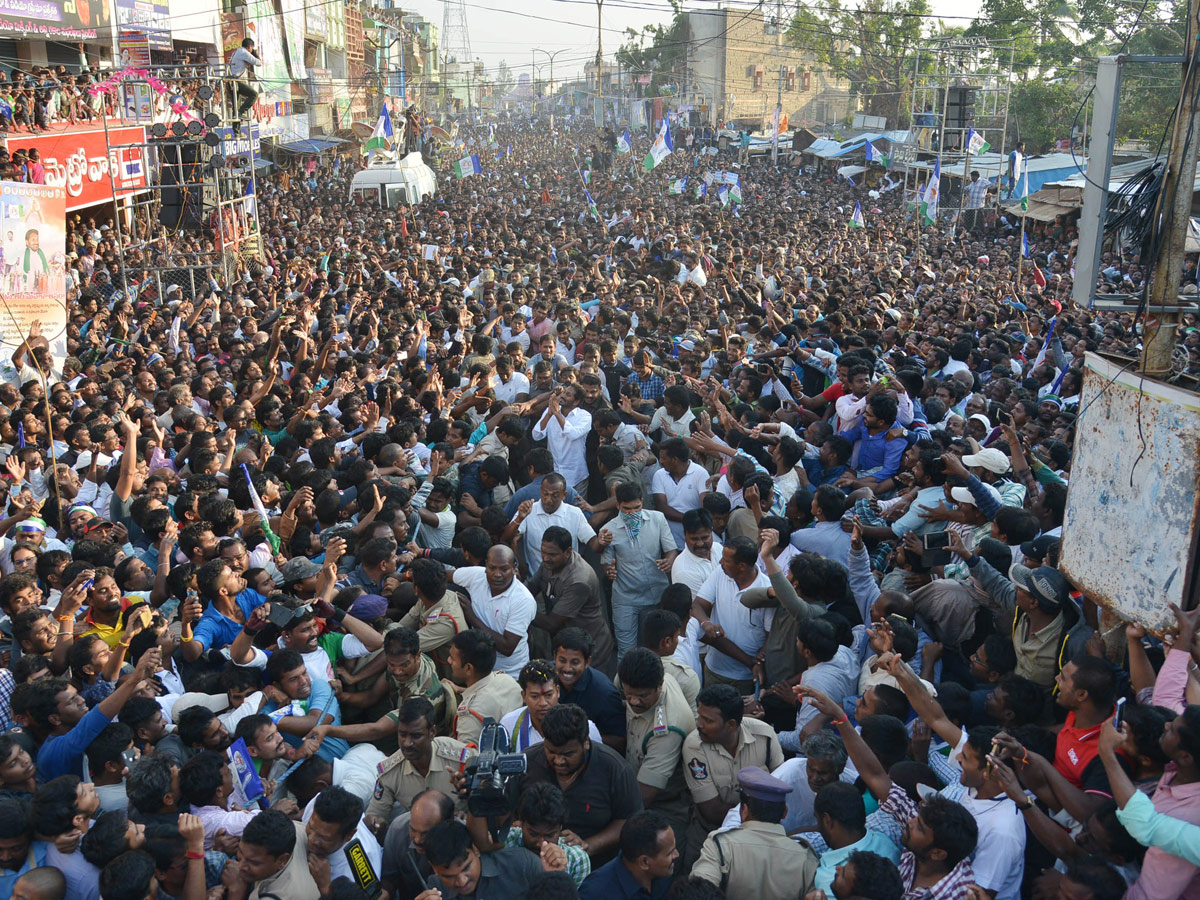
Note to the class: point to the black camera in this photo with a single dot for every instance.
(490, 781)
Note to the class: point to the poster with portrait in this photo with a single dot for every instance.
(33, 285)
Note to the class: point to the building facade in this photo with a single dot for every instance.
(740, 65)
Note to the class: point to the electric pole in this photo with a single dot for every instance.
(1163, 310)
(600, 58)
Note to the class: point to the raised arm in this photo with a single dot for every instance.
(874, 776)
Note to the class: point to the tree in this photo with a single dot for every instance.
(659, 51)
(870, 45)
(505, 81)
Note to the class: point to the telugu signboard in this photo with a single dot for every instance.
(33, 264)
(77, 19)
(81, 163)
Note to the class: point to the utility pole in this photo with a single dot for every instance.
(600, 58)
(778, 119)
(1163, 310)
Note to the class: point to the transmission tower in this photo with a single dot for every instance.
(456, 40)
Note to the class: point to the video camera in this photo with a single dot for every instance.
(490, 774)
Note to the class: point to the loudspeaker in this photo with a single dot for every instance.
(181, 177)
(960, 108)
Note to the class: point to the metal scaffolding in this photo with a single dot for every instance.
(959, 84)
(200, 160)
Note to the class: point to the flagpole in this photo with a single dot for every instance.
(583, 181)
(1021, 256)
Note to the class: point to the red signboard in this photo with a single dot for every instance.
(80, 162)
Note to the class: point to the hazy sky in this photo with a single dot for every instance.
(503, 29)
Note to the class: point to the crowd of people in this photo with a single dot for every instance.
(742, 523)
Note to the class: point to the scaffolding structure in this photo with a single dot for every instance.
(200, 162)
(959, 84)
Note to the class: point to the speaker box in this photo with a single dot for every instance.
(960, 108)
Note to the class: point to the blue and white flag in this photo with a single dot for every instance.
(1025, 246)
(625, 142)
(662, 147)
(382, 137)
(856, 220)
(247, 786)
(468, 165)
(591, 204)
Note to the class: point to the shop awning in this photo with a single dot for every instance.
(311, 145)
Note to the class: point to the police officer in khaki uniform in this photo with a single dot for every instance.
(657, 721)
(723, 744)
(758, 859)
(437, 615)
(419, 764)
(488, 694)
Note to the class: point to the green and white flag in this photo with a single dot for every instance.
(933, 190)
(468, 165)
(660, 149)
(383, 136)
(856, 220)
(1023, 187)
(976, 144)
(679, 186)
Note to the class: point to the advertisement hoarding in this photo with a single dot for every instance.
(32, 264)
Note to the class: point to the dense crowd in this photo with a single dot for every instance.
(742, 522)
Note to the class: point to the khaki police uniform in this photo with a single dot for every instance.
(399, 781)
(759, 860)
(711, 772)
(426, 683)
(688, 681)
(654, 748)
(436, 626)
(491, 697)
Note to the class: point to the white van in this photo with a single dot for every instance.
(390, 183)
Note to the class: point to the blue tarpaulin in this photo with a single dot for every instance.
(311, 145)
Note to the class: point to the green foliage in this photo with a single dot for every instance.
(659, 51)
(1041, 112)
(870, 45)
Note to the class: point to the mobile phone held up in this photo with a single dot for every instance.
(935, 549)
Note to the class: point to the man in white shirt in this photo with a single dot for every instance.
(680, 485)
(332, 820)
(499, 605)
(701, 551)
(507, 384)
(532, 520)
(565, 427)
(735, 633)
(241, 67)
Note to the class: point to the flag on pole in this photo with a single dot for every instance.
(508, 151)
(723, 196)
(661, 148)
(874, 156)
(256, 502)
(591, 204)
(1024, 188)
(701, 190)
(1041, 357)
(856, 220)
(624, 142)
(1025, 246)
(679, 186)
(735, 193)
(975, 143)
(491, 134)
(929, 201)
(586, 175)
(468, 165)
(382, 136)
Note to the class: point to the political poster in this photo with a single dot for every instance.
(33, 285)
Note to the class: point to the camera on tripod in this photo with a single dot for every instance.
(490, 775)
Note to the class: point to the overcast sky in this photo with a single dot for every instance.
(502, 29)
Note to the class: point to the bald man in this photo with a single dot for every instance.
(404, 863)
(500, 606)
(42, 883)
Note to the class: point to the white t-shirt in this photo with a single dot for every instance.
(509, 612)
(693, 571)
(682, 495)
(747, 628)
(538, 521)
